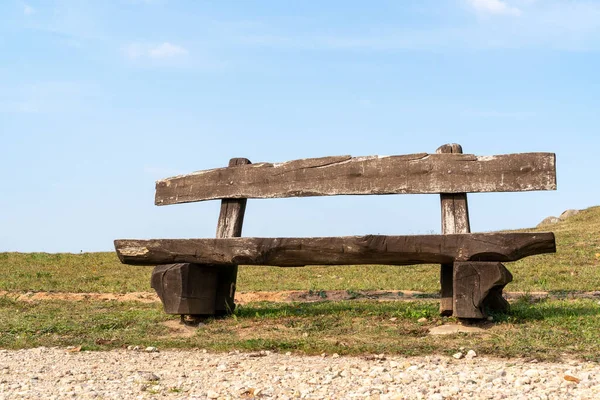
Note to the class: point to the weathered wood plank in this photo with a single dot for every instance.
(455, 219)
(231, 220)
(371, 249)
(344, 175)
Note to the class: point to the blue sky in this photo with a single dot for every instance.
(98, 99)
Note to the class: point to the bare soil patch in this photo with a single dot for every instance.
(143, 297)
(179, 330)
(284, 296)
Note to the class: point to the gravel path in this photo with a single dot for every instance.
(53, 373)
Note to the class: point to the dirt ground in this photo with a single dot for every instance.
(280, 296)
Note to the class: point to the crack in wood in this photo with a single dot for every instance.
(331, 176)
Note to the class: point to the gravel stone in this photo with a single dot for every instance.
(54, 373)
(470, 355)
(149, 377)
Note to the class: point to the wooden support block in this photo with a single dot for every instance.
(229, 225)
(455, 219)
(186, 288)
(478, 285)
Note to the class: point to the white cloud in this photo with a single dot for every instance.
(496, 7)
(160, 51)
(167, 50)
(28, 10)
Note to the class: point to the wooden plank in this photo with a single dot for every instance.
(231, 219)
(350, 250)
(455, 219)
(329, 176)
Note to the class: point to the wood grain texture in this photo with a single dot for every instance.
(455, 219)
(186, 288)
(330, 176)
(231, 217)
(350, 250)
(455, 209)
(477, 284)
(231, 220)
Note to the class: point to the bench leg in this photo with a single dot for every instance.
(225, 293)
(231, 219)
(477, 286)
(186, 289)
(455, 219)
(446, 297)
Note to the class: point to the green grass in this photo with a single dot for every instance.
(576, 264)
(546, 330)
(86, 272)
(575, 267)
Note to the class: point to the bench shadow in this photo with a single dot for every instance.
(525, 310)
(387, 309)
(521, 311)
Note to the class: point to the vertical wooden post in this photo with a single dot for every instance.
(455, 219)
(230, 224)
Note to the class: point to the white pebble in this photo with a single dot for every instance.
(199, 375)
(471, 354)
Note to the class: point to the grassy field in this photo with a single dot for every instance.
(574, 268)
(547, 329)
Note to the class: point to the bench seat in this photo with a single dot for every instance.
(348, 250)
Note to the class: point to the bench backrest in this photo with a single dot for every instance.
(448, 173)
(345, 175)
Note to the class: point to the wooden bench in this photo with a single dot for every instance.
(198, 276)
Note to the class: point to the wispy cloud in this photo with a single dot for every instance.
(494, 7)
(68, 20)
(549, 24)
(28, 10)
(167, 50)
(496, 114)
(46, 97)
(161, 51)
